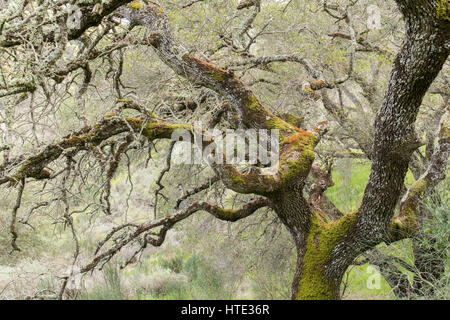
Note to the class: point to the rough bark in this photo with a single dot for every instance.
(425, 50)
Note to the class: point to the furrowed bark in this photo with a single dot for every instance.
(325, 250)
(425, 50)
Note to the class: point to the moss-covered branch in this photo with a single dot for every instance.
(146, 230)
(200, 72)
(405, 224)
(34, 166)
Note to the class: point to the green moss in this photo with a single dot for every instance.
(253, 103)
(295, 121)
(302, 143)
(24, 166)
(75, 140)
(227, 214)
(217, 77)
(272, 121)
(17, 177)
(135, 5)
(443, 10)
(404, 225)
(406, 221)
(418, 188)
(276, 123)
(237, 179)
(299, 167)
(156, 130)
(321, 241)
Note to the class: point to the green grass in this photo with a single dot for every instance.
(350, 178)
(364, 282)
(110, 289)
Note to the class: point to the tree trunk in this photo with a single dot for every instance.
(314, 240)
(312, 281)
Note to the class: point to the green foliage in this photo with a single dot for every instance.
(356, 285)
(438, 225)
(174, 264)
(161, 278)
(204, 279)
(350, 178)
(109, 289)
(434, 243)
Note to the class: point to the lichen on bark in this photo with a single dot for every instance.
(443, 10)
(320, 242)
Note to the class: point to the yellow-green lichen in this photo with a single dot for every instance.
(253, 103)
(443, 10)
(135, 5)
(237, 179)
(298, 160)
(322, 239)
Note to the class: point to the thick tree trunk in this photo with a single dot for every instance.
(326, 250)
(312, 280)
(314, 240)
(425, 50)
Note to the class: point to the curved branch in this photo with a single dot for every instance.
(196, 190)
(167, 223)
(34, 166)
(199, 72)
(406, 223)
